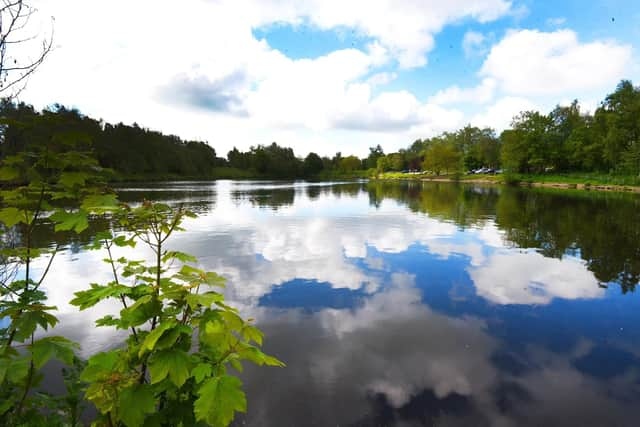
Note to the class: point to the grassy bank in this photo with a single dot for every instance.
(581, 181)
(576, 178)
(334, 175)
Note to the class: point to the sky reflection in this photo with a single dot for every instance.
(402, 306)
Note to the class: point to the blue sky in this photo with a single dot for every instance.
(329, 75)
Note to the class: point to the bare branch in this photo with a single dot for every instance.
(15, 16)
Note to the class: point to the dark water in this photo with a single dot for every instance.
(411, 304)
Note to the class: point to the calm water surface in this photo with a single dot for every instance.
(413, 304)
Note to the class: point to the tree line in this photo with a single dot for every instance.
(128, 150)
(566, 139)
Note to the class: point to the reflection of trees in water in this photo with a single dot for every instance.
(347, 190)
(464, 205)
(274, 198)
(9, 239)
(601, 228)
(351, 189)
(314, 191)
(191, 196)
(44, 235)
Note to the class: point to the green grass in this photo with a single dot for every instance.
(400, 175)
(588, 179)
(332, 175)
(578, 178)
(485, 177)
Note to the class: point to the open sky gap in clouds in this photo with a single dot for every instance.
(330, 75)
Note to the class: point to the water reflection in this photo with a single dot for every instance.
(601, 228)
(413, 304)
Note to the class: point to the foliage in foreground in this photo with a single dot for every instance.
(173, 368)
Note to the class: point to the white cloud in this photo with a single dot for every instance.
(480, 94)
(473, 43)
(535, 63)
(394, 111)
(380, 79)
(198, 71)
(405, 27)
(499, 115)
(556, 22)
(530, 278)
(534, 70)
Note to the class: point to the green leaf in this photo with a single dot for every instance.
(151, 339)
(236, 364)
(256, 356)
(6, 405)
(272, 361)
(107, 320)
(180, 256)
(18, 369)
(144, 309)
(232, 320)
(97, 293)
(122, 241)
(214, 333)
(213, 279)
(11, 216)
(170, 337)
(72, 179)
(135, 403)
(201, 371)
(188, 270)
(219, 398)
(206, 299)
(174, 364)
(8, 173)
(65, 221)
(3, 369)
(100, 203)
(26, 324)
(57, 347)
(252, 333)
(100, 364)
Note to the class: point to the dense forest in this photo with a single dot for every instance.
(128, 150)
(564, 140)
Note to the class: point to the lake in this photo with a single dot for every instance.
(402, 304)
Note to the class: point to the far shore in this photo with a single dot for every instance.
(532, 182)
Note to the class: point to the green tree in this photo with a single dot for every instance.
(374, 154)
(619, 127)
(313, 164)
(174, 367)
(442, 156)
(514, 151)
(349, 164)
(44, 184)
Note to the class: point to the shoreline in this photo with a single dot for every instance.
(556, 185)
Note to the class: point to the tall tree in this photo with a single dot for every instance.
(374, 154)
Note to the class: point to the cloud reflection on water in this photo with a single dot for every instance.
(391, 352)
